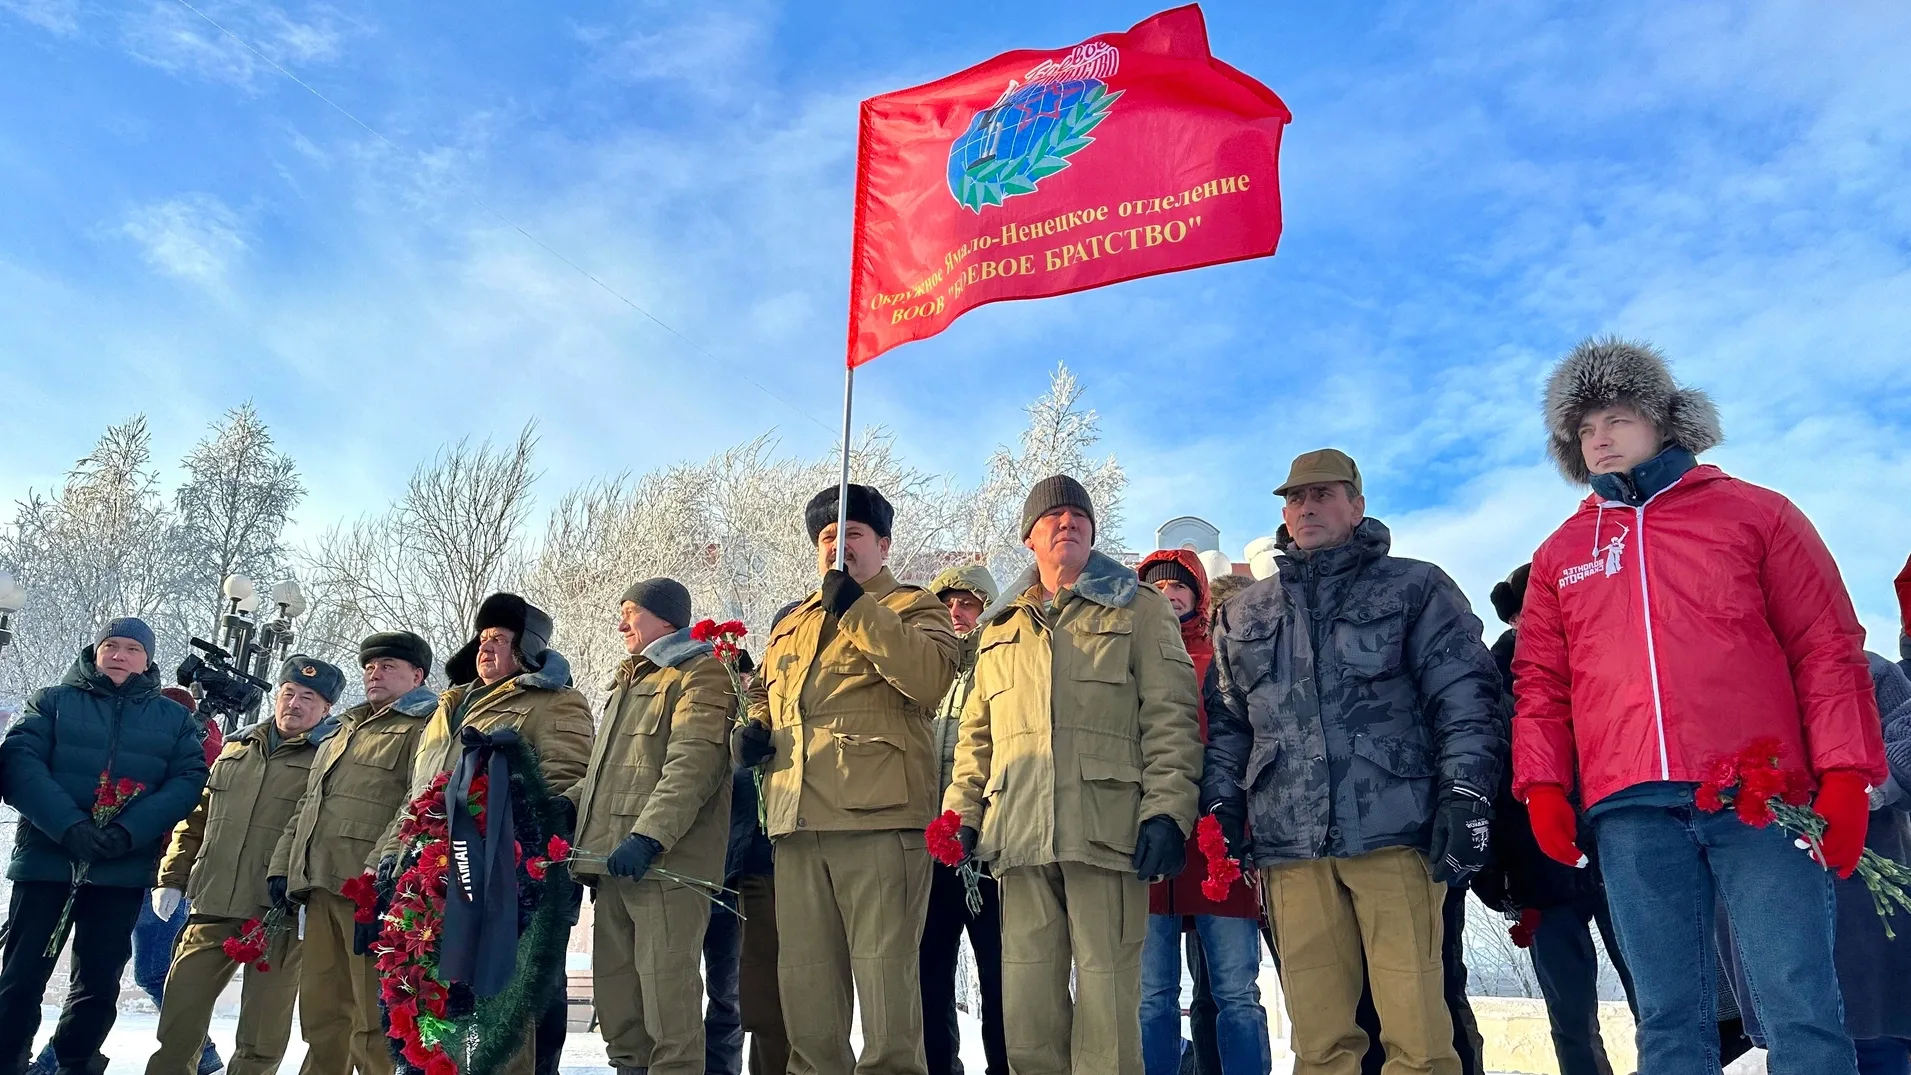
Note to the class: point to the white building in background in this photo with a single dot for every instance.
(1188, 532)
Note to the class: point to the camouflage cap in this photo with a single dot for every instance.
(1325, 465)
(972, 578)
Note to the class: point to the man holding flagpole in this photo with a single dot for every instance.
(840, 719)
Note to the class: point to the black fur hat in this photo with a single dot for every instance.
(1606, 370)
(1509, 597)
(531, 625)
(866, 506)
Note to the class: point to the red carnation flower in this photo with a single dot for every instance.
(1223, 871)
(703, 630)
(363, 892)
(262, 966)
(538, 868)
(944, 845)
(440, 1064)
(559, 849)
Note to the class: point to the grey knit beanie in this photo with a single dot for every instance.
(666, 599)
(1059, 491)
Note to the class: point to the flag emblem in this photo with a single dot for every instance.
(1030, 131)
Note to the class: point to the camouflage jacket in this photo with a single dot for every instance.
(1350, 690)
(946, 728)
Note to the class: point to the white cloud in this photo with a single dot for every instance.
(195, 237)
(60, 17)
(179, 42)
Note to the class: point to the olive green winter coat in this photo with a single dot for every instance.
(358, 781)
(661, 765)
(1081, 725)
(221, 854)
(549, 714)
(848, 705)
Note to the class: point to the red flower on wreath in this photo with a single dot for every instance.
(945, 846)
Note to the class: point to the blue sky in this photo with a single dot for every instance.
(1469, 188)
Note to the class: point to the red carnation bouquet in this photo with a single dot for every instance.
(726, 645)
(254, 940)
(945, 846)
(109, 798)
(1525, 929)
(1754, 786)
(1222, 870)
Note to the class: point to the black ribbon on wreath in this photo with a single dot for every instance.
(480, 944)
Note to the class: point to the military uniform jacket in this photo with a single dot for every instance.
(661, 764)
(356, 786)
(1351, 689)
(548, 713)
(947, 726)
(1082, 723)
(221, 854)
(848, 703)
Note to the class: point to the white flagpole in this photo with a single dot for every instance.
(842, 493)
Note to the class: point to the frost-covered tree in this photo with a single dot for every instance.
(1059, 439)
(729, 528)
(454, 537)
(104, 544)
(239, 492)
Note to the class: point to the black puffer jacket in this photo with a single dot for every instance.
(70, 734)
(1354, 688)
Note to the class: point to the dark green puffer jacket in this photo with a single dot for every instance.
(54, 753)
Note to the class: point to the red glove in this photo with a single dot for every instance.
(1555, 825)
(1522, 931)
(1844, 801)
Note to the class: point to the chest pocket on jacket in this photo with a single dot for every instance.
(1101, 650)
(224, 772)
(1369, 639)
(648, 701)
(383, 748)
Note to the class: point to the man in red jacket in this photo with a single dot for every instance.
(1677, 617)
(1228, 930)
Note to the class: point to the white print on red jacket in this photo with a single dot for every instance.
(1606, 564)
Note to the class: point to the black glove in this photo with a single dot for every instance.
(967, 836)
(387, 875)
(839, 592)
(275, 891)
(566, 817)
(633, 857)
(751, 744)
(1160, 849)
(1462, 825)
(82, 841)
(1232, 817)
(114, 841)
(364, 935)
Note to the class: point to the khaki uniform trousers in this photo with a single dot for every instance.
(646, 944)
(1379, 911)
(1072, 914)
(200, 972)
(338, 995)
(849, 910)
(759, 1001)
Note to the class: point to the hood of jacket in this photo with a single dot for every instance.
(1194, 628)
(1103, 580)
(85, 675)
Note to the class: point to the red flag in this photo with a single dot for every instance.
(1044, 172)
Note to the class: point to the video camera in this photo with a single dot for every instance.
(224, 690)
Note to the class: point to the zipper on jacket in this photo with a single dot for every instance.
(1652, 653)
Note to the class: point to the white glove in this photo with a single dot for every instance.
(166, 901)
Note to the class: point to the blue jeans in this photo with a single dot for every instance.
(1666, 870)
(153, 939)
(1232, 950)
(722, 1017)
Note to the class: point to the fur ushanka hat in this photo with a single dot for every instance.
(1604, 371)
